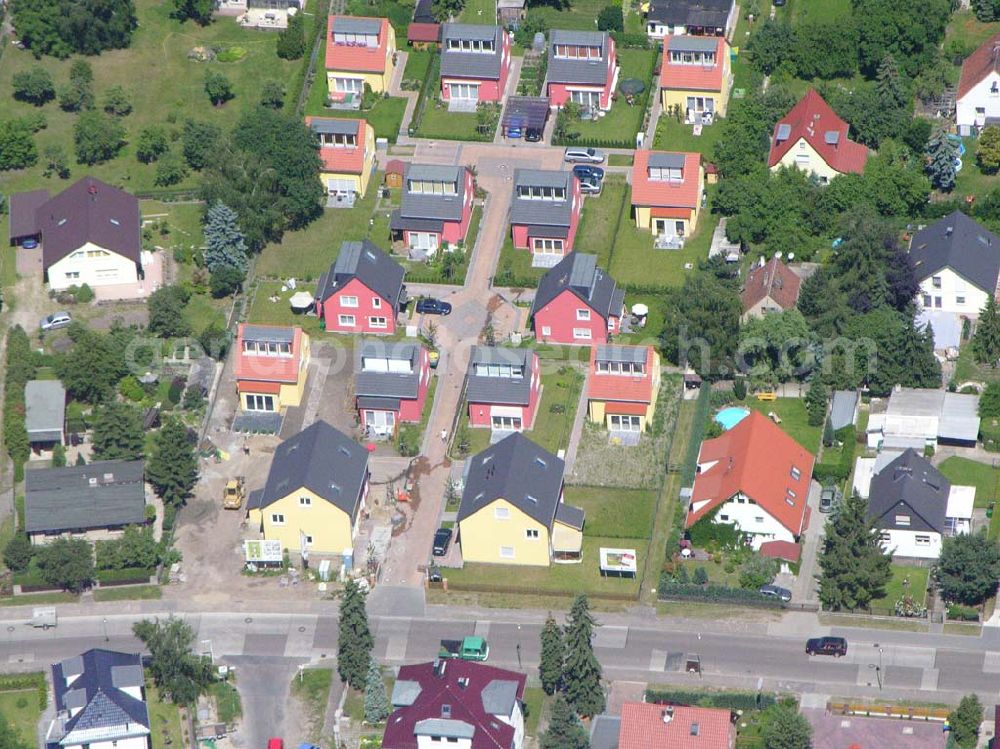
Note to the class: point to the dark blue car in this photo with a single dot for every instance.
(585, 172)
(431, 306)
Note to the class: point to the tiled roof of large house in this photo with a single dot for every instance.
(960, 243)
(579, 273)
(255, 362)
(102, 494)
(92, 688)
(344, 159)
(635, 388)
(352, 56)
(691, 76)
(909, 486)
(645, 725)
(392, 382)
(757, 458)
(367, 263)
(773, 280)
(591, 72)
(978, 65)
(470, 64)
(324, 460)
(427, 212)
(481, 387)
(519, 471)
(813, 120)
(454, 698)
(666, 193)
(548, 212)
(712, 13)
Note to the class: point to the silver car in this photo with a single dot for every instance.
(55, 321)
(583, 156)
(776, 591)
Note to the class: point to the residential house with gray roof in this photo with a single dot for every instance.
(96, 501)
(45, 413)
(512, 509)
(456, 703)
(362, 292)
(475, 64)
(435, 209)
(545, 213)
(691, 17)
(390, 385)
(577, 302)
(100, 701)
(502, 388)
(582, 69)
(957, 264)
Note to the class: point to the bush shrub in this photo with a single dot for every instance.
(960, 613)
(714, 593)
(34, 680)
(730, 700)
(706, 532)
(126, 576)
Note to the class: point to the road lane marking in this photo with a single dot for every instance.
(658, 661)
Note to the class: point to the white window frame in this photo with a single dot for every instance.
(507, 552)
(349, 301)
(583, 314)
(501, 513)
(922, 540)
(506, 423)
(348, 85)
(546, 330)
(587, 99)
(903, 520)
(378, 322)
(259, 402)
(376, 302)
(305, 501)
(545, 246)
(463, 91)
(625, 422)
(423, 240)
(582, 334)
(277, 518)
(346, 321)
(532, 534)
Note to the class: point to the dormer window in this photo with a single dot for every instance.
(478, 46)
(499, 370)
(534, 192)
(706, 59)
(266, 348)
(431, 187)
(577, 52)
(338, 140)
(385, 364)
(352, 39)
(621, 368)
(666, 174)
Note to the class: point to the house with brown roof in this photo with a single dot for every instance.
(644, 725)
(977, 101)
(87, 234)
(771, 287)
(811, 137)
(756, 478)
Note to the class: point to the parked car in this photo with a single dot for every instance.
(590, 187)
(442, 540)
(55, 321)
(514, 131)
(29, 244)
(587, 172)
(431, 306)
(584, 156)
(829, 498)
(533, 135)
(275, 744)
(835, 646)
(776, 591)
(467, 649)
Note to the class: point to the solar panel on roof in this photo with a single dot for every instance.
(784, 131)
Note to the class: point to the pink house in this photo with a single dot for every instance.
(582, 68)
(435, 210)
(502, 386)
(577, 303)
(362, 292)
(544, 214)
(475, 61)
(390, 384)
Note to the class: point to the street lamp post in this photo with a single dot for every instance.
(104, 623)
(518, 646)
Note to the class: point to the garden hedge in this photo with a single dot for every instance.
(713, 594)
(34, 680)
(126, 576)
(730, 700)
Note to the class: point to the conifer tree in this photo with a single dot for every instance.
(941, 153)
(986, 339)
(355, 645)
(816, 398)
(553, 653)
(173, 468)
(565, 730)
(224, 243)
(854, 567)
(582, 671)
(376, 700)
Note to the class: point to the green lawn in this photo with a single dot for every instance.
(971, 181)
(20, 708)
(432, 271)
(820, 10)
(618, 513)
(514, 267)
(40, 599)
(599, 219)
(165, 86)
(265, 312)
(413, 434)
(534, 703)
(385, 117)
(441, 124)
(164, 719)
(129, 593)
(479, 11)
(620, 159)
(965, 28)
(477, 439)
(309, 252)
(568, 579)
(578, 16)
(418, 61)
(312, 687)
(794, 420)
(910, 581)
(965, 472)
(655, 322)
(672, 135)
(227, 701)
(202, 310)
(623, 120)
(557, 408)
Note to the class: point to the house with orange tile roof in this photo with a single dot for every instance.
(977, 101)
(359, 51)
(271, 365)
(667, 191)
(771, 286)
(622, 386)
(811, 137)
(695, 75)
(645, 725)
(755, 477)
(347, 150)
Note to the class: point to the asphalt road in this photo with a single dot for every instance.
(266, 650)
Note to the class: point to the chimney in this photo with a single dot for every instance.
(667, 714)
(948, 231)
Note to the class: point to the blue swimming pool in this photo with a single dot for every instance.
(730, 417)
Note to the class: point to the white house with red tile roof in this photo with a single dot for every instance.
(811, 137)
(977, 101)
(648, 725)
(755, 477)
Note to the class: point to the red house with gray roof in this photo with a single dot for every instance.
(464, 704)
(362, 292)
(577, 302)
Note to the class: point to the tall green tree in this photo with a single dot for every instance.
(784, 728)
(816, 399)
(564, 730)
(117, 432)
(986, 339)
(10, 737)
(988, 149)
(117, 101)
(941, 153)
(199, 11)
(909, 30)
(176, 670)
(224, 243)
(97, 137)
(772, 44)
(889, 85)
(64, 27)
(965, 721)
(151, 144)
(968, 568)
(702, 325)
(172, 467)
(79, 92)
(34, 85)
(67, 563)
(355, 643)
(218, 88)
(377, 707)
(166, 311)
(989, 401)
(292, 39)
(18, 552)
(199, 142)
(854, 569)
(553, 653)
(581, 678)
(17, 146)
(91, 369)
(778, 345)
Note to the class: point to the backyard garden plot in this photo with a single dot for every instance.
(599, 463)
(965, 472)
(794, 419)
(165, 86)
(385, 115)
